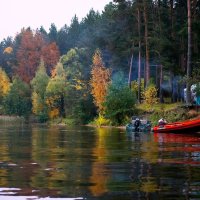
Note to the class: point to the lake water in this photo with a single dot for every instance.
(43, 162)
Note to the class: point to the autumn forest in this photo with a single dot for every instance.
(103, 65)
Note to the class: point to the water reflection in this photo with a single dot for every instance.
(180, 148)
(179, 159)
(97, 163)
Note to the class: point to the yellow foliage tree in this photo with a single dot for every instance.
(37, 103)
(99, 81)
(4, 83)
(150, 95)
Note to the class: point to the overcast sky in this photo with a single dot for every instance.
(16, 14)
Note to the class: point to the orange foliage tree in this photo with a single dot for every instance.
(50, 54)
(99, 80)
(33, 47)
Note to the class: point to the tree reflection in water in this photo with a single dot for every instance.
(97, 163)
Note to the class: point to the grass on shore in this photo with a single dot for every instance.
(172, 112)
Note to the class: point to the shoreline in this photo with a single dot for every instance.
(11, 118)
(119, 127)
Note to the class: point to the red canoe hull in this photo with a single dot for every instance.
(185, 126)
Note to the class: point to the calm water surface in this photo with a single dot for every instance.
(41, 162)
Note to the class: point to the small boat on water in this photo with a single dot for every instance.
(144, 125)
(184, 126)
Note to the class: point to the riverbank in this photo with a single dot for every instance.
(104, 126)
(171, 112)
(8, 118)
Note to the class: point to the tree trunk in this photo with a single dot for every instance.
(139, 59)
(160, 84)
(160, 66)
(171, 76)
(189, 70)
(182, 56)
(147, 66)
(172, 18)
(130, 70)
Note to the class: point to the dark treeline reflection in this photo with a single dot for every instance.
(97, 163)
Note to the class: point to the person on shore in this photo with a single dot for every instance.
(162, 122)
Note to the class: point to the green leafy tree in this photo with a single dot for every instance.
(55, 92)
(39, 84)
(119, 101)
(78, 103)
(18, 100)
(73, 63)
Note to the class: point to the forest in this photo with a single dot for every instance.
(135, 51)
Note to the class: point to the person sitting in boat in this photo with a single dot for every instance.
(162, 122)
(137, 124)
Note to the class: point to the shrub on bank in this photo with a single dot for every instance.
(101, 121)
(170, 112)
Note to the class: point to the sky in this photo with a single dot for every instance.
(18, 14)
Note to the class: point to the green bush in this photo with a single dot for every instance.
(119, 101)
(198, 89)
(69, 121)
(42, 116)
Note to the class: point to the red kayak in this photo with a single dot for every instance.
(185, 126)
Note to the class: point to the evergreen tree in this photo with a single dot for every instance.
(89, 31)
(73, 33)
(53, 33)
(62, 40)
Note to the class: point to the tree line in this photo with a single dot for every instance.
(142, 40)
